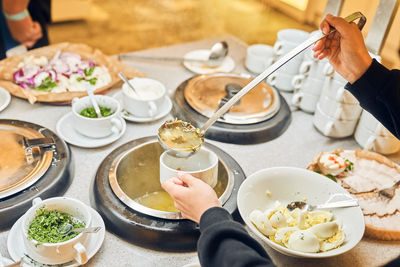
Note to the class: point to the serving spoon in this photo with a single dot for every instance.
(66, 228)
(218, 53)
(93, 99)
(338, 204)
(123, 77)
(271, 69)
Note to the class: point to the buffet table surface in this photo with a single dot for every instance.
(296, 147)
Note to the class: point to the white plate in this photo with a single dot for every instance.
(66, 131)
(5, 98)
(227, 64)
(16, 247)
(165, 108)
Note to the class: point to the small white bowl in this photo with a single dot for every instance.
(57, 253)
(203, 165)
(288, 184)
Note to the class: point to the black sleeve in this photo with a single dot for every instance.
(393, 263)
(378, 91)
(224, 242)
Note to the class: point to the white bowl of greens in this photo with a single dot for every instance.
(43, 239)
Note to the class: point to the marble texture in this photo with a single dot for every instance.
(295, 147)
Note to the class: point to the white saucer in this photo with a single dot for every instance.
(165, 108)
(227, 64)
(5, 98)
(66, 131)
(16, 247)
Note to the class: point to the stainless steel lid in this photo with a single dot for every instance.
(20, 165)
(206, 93)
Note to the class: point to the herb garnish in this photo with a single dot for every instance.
(46, 85)
(91, 113)
(330, 176)
(88, 71)
(44, 228)
(350, 165)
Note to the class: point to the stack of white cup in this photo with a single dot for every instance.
(372, 135)
(337, 111)
(309, 82)
(259, 57)
(287, 40)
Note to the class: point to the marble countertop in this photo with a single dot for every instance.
(295, 147)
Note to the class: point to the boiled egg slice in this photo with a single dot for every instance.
(324, 230)
(282, 235)
(334, 241)
(278, 219)
(304, 241)
(318, 216)
(262, 223)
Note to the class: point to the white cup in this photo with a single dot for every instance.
(259, 57)
(307, 84)
(332, 127)
(281, 81)
(334, 89)
(371, 123)
(371, 140)
(203, 165)
(96, 127)
(57, 253)
(338, 110)
(314, 69)
(288, 39)
(291, 67)
(305, 101)
(150, 95)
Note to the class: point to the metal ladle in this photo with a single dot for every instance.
(218, 53)
(271, 69)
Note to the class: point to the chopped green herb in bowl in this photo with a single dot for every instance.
(91, 113)
(44, 228)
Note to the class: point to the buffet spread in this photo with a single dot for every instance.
(58, 73)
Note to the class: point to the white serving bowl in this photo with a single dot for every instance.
(288, 184)
(57, 253)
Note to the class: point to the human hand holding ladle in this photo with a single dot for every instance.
(188, 128)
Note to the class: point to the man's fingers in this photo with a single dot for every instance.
(187, 178)
(324, 27)
(338, 23)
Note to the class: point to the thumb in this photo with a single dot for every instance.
(338, 23)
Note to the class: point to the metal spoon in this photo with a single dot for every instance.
(123, 77)
(339, 204)
(217, 55)
(271, 69)
(66, 228)
(93, 99)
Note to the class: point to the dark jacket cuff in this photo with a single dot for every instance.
(367, 87)
(212, 216)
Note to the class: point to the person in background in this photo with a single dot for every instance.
(224, 242)
(23, 22)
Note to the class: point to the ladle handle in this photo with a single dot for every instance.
(271, 69)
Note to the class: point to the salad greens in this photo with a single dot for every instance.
(44, 228)
(91, 113)
(46, 85)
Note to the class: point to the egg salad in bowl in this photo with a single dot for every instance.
(262, 203)
(300, 230)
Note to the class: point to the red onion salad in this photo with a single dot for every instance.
(44, 75)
